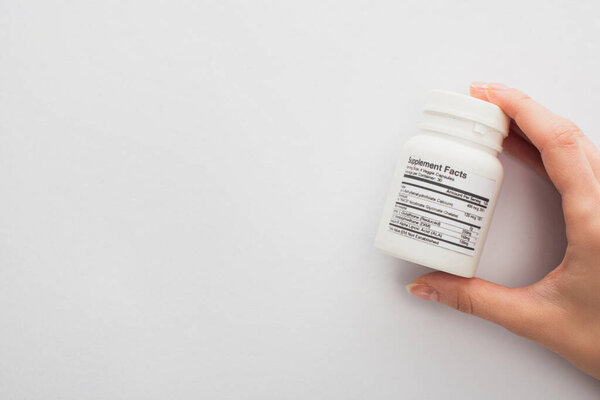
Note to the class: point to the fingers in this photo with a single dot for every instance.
(591, 152)
(477, 90)
(526, 152)
(519, 310)
(593, 156)
(558, 140)
(517, 142)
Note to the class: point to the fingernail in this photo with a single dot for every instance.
(478, 85)
(494, 86)
(422, 291)
(477, 90)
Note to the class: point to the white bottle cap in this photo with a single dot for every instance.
(467, 117)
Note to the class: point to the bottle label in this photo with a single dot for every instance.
(441, 205)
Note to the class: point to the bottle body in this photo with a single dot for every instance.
(440, 203)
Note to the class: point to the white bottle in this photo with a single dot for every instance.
(445, 188)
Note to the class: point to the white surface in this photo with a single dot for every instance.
(190, 191)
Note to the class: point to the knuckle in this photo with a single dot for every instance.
(565, 134)
(522, 98)
(463, 302)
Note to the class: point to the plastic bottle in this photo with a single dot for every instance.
(446, 185)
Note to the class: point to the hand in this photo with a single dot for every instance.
(561, 311)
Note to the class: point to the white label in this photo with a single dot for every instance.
(441, 205)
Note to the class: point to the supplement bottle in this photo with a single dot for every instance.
(446, 185)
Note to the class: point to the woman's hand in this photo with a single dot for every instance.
(562, 311)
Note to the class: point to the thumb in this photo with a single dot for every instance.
(516, 309)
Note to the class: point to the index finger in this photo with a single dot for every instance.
(558, 140)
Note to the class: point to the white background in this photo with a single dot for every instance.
(190, 192)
